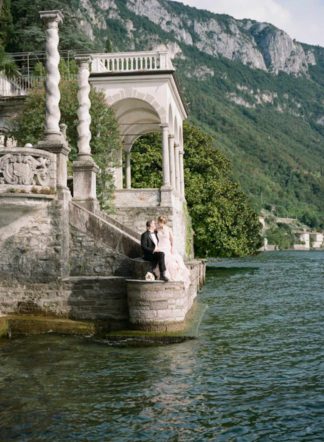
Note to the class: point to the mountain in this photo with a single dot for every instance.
(259, 93)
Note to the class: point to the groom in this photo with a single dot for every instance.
(149, 243)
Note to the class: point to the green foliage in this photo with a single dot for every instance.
(282, 236)
(223, 221)
(28, 33)
(6, 22)
(105, 137)
(7, 64)
(146, 162)
(277, 157)
(108, 46)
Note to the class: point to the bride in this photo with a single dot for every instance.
(175, 267)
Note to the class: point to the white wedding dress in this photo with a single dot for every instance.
(175, 267)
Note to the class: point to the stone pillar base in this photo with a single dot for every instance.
(166, 196)
(57, 145)
(84, 183)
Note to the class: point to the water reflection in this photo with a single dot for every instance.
(255, 374)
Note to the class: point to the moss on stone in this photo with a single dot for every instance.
(15, 325)
(189, 331)
(189, 232)
(29, 325)
(4, 327)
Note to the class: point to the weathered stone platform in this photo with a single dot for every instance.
(158, 305)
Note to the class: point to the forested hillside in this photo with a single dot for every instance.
(256, 91)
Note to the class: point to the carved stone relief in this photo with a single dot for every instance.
(25, 169)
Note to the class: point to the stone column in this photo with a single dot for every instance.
(84, 169)
(128, 171)
(177, 166)
(84, 150)
(51, 20)
(172, 164)
(182, 184)
(165, 155)
(54, 140)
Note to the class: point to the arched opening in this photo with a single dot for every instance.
(146, 162)
(135, 118)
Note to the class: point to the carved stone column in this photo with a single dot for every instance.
(84, 169)
(84, 150)
(128, 171)
(165, 155)
(177, 166)
(54, 139)
(52, 19)
(182, 183)
(172, 164)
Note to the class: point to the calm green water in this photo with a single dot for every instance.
(255, 374)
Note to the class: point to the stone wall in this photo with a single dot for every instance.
(163, 307)
(91, 257)
(30, 237)
(157, 306)
(135, 217)
(85, 298)
(102, 231)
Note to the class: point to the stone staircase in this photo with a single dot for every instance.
(107, 230)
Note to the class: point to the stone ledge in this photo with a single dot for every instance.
(163, 283)
(92, 278)
(17, 325)
(36, 196)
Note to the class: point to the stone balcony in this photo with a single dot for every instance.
(127, 62)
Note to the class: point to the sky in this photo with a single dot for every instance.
(301, 19)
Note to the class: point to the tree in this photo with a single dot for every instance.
(108, 46)
(105, 140)
(223, 220)
(6, 28)
(7, 64)
(146, 162)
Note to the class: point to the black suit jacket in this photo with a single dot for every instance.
(148, 245)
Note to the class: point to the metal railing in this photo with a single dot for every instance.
(19, 86)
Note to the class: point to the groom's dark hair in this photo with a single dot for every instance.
(149, 222)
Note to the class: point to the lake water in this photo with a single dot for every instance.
(256, 373)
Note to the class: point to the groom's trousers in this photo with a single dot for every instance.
(158, 258)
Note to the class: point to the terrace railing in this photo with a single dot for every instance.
(131, 62)
(17, 86)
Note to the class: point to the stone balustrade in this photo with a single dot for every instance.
(137, 197)
(131, 62)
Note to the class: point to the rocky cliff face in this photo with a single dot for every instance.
(258, 45)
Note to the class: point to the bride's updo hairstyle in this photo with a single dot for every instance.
(162, 219)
